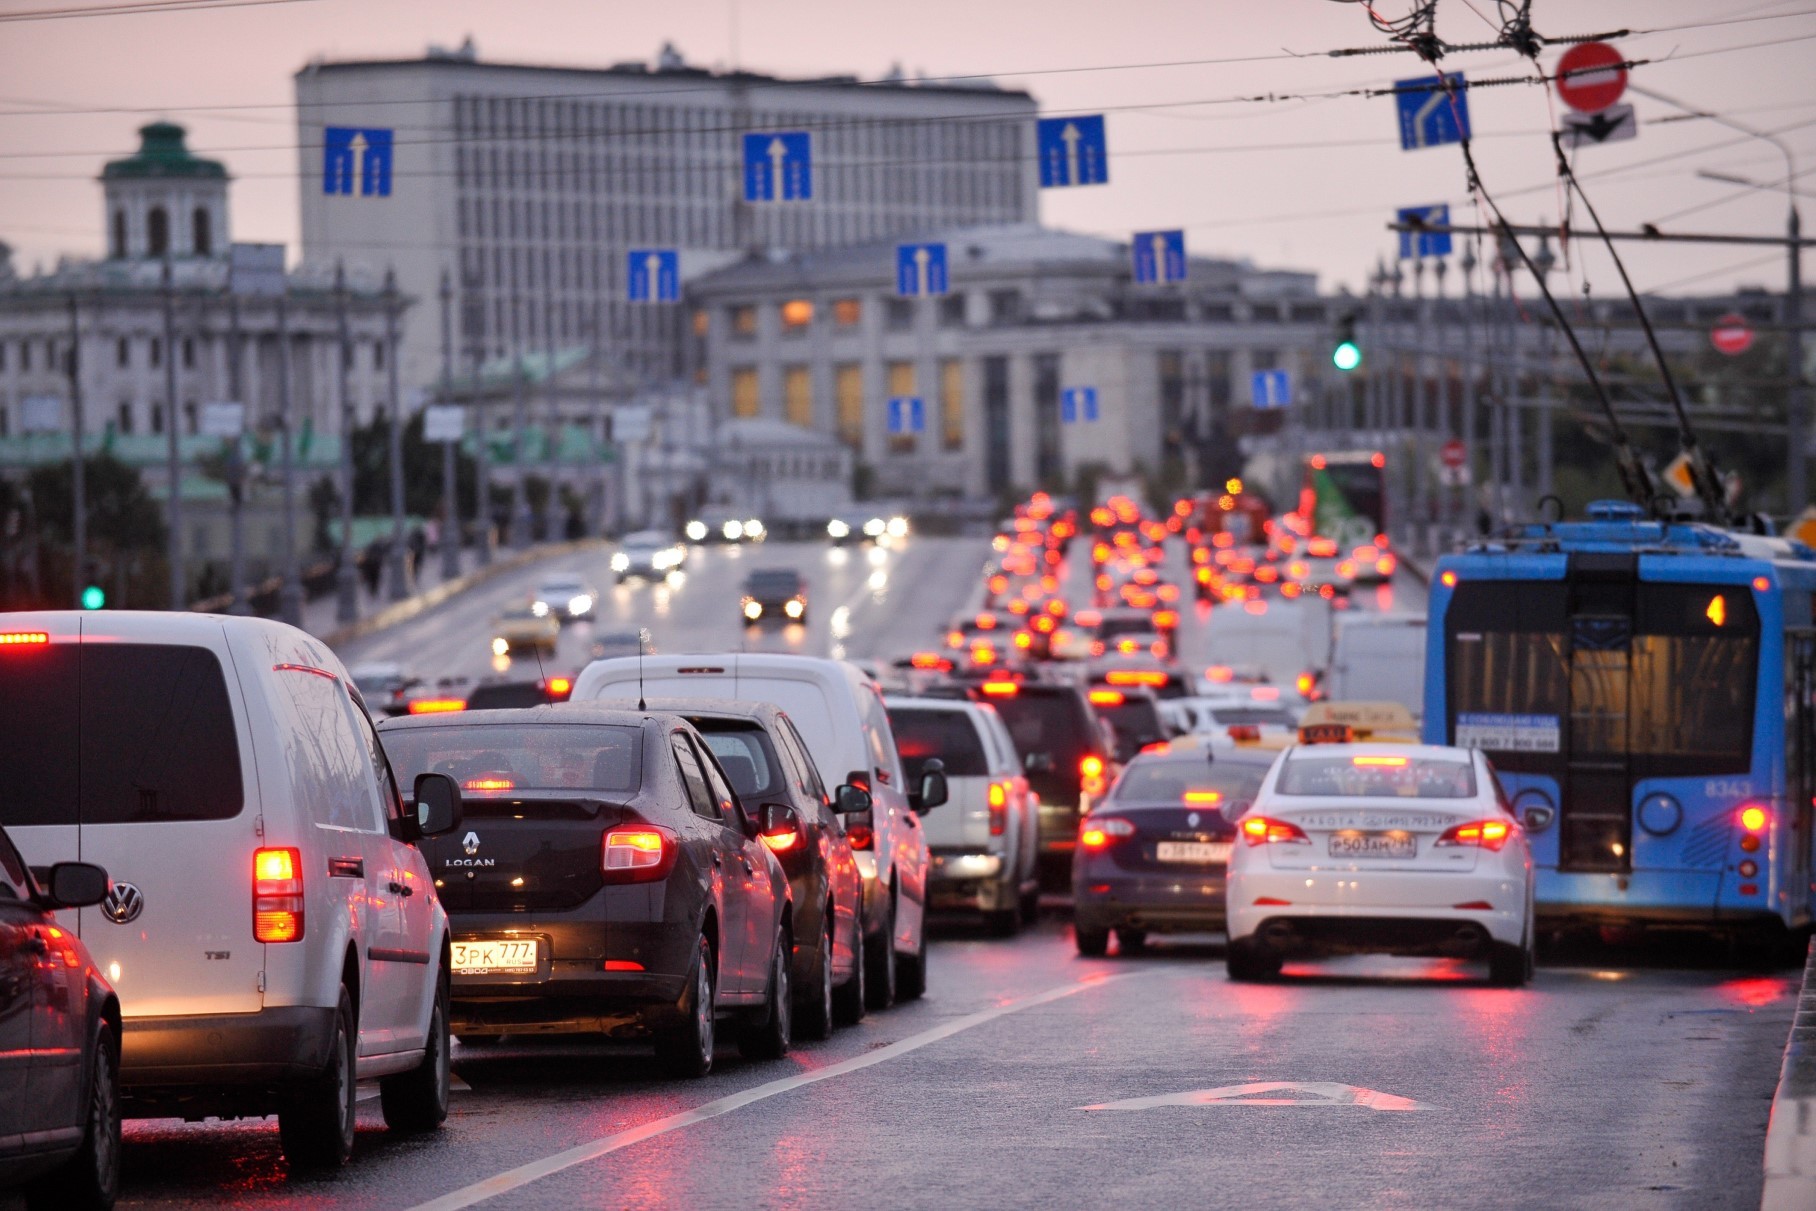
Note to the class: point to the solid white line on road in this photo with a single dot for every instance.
(523, 1175)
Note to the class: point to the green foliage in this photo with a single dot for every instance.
(422, 471)
(122, 515)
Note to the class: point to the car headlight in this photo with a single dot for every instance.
(875, 527)
(753, 528)
(795, 607)
(500, 647)
(540, 609)
(733, 530)
(620, 562)
(580, 603)
(838, 529)
(898, 527)
(696, 531)
(753, 610)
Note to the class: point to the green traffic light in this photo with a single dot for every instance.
(93, 597)
(1346, 356)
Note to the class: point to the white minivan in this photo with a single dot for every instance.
(838, 711)
(272, 931)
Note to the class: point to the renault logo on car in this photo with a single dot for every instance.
(123, 904)
(470, 843)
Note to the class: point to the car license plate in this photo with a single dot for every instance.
(514, 956)
(1193, 851)
(1374, 845)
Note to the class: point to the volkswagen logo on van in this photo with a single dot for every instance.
(123, 904)
(470, 843)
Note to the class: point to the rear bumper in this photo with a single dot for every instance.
(1059, 824)
(970, 881)
(271, 1047)
(1352, 904)
(1162, 902)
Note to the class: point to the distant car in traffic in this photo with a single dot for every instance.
(608, 881)
(386, 687)
(622, 643)
(502, 695)
(565, 595)
(774, 593)
(1400, 849)
(722, 525)
(648, 555)
(523, 629)
(1133, 713)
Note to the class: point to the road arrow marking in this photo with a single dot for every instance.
(1320, 1094)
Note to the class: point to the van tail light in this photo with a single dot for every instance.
(1485, 834)
(1098, 833)
(998, 798)
(277, 895)
(1264, 830)
(636, 853)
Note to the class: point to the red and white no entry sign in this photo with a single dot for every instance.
(1453, 454)
(1732, 334)
(1591, 76)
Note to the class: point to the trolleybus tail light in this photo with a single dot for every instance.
(1102, 833)
(1491, 835)
(1264, 830)
(1448, 580)
(1754, 818)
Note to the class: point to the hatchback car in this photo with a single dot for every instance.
(1380, 848)
(606, 880)
(1153, 854)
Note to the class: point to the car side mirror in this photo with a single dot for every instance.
(851, 799)
(1537, 819)
(437, 805)
(77, 885)
(1038, 763)
(933, 789)
(779, 826)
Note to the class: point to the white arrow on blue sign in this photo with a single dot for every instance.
(1433, 110)
(920, 269)
(356, 161)
(1073, 151)
(1159, 256)
(1425, 243)
(778, 166)
(653, 275)
(1077, 405)
(1272, 388)
(907, 414)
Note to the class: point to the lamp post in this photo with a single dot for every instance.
(1544, 261)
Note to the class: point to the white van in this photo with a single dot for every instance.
(272, 931)
(1378, 658)
(839, 712)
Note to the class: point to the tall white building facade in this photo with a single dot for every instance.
(529, 186)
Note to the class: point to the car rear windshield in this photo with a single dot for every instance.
(1377, 776)
(921, 733)
(1189, 783)
(1134, 624)
(773, 582)
(116, 733)
(507, 695)
(1136, 720)
(600, 757)
(1228, 716)
(746, 755)
(1057, 723)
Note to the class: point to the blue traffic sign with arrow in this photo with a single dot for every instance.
(907, 414)
(356, 161)
(1073, 151)
(920, 269)
(778, 166)
(653, 275)
(1424, 243)
(1159, 256)
(1433, 110)
(1077, 405)
(1272, 388)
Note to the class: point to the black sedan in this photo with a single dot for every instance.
(1153, 854)
(59, 1042)
(606, 880)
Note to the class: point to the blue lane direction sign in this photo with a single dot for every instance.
(1159, 256)
(778, 166)
(907, 414)
(920, 269)
(653, 275)
(1424, 243)
(1077, 405)
(1430, 116)
(356, 161)
(1272, 388)
(1073, 151)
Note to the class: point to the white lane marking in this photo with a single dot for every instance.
(523, 1175)
(1284, 1093)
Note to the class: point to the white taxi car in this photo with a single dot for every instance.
(1398, 849)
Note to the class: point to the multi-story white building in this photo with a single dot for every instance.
(529, 185)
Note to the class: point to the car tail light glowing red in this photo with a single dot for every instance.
(783, 841)
(860, 836)
(1474, 906)
(560, 687)
(998, 799)
(23, 639)
(622, 965)
(1486, 834)
(1001, 689)
(1270, 902)
(1264, 830)
(277, 895)
(437, 706)
(1203, 798)
(1098, 833)
(1107, 698)
(636, 853)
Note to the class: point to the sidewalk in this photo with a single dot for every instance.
(1791, 1132)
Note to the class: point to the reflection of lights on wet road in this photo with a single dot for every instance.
(676, 579)
(841, 622)
(838, 557)
(878, 557)
(879, 580)
(501, 663)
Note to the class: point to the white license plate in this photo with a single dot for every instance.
(515, 956)
(1374, 845)
(1192, 851)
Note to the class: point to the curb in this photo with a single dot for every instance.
(1790, 1153)
(412, 607)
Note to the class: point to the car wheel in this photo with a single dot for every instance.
(1244, 960)
(1004, 924)
(848, 998)
(880, 979)
(816, 1010)
(1131, 941)
(417, 1100)
(768, 1037)
(89, 1180)
(1092, 943)
(911, 975)
(1508, 965)
(686, 1049)
(316, 1126)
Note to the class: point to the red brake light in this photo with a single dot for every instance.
(1219, 674)
(998, 797)
(1001, 689)
(1203, 798)
(436, 706)
(488, 782)
(860, 836)
(1103, 832)
(19, 639)
(1305, 684)
(780, 842)
(1091, 766)
(1487, 834)
(277, 895)
(1107, 698)
(1754, 818)
(1263, 830)
(560, 687)
(1149, 677)
(636, 854)
(1448, 580)
(1390, 762)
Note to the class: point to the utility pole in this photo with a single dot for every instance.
(450, 497)
(173, 458)
(1797, 406)
(1421, 327)
(346, 576)
(399, 587)
(1468, 265)
(482, 460)
(552, 442)
(78, 471)
(290, 591)
(1438, 387)
(1544, 260)
(520, 493)
(236, 464)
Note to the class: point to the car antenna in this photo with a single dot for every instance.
(642, 634)
(540, 671)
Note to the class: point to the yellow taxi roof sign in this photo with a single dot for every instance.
(1365, 720)
(1804, 528)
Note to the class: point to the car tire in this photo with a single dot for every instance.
(879, 952)
(771, 1033)
(1131, 941)
(816, 1011)
(1092, 943)
(1245, 961)
(1509, 965)
(89, 1180)
(417, 1100)
(315, 1127)
(686, 1048)
(1004, 924)
(848, 998)
(911, 970)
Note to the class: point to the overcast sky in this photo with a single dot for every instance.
(1303, 181)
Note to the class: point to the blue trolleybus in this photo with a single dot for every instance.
(1647, 691)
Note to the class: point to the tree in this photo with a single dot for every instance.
(422, 471)
(122, 515)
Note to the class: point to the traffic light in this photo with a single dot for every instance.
(94, 597)
(1346, 354)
